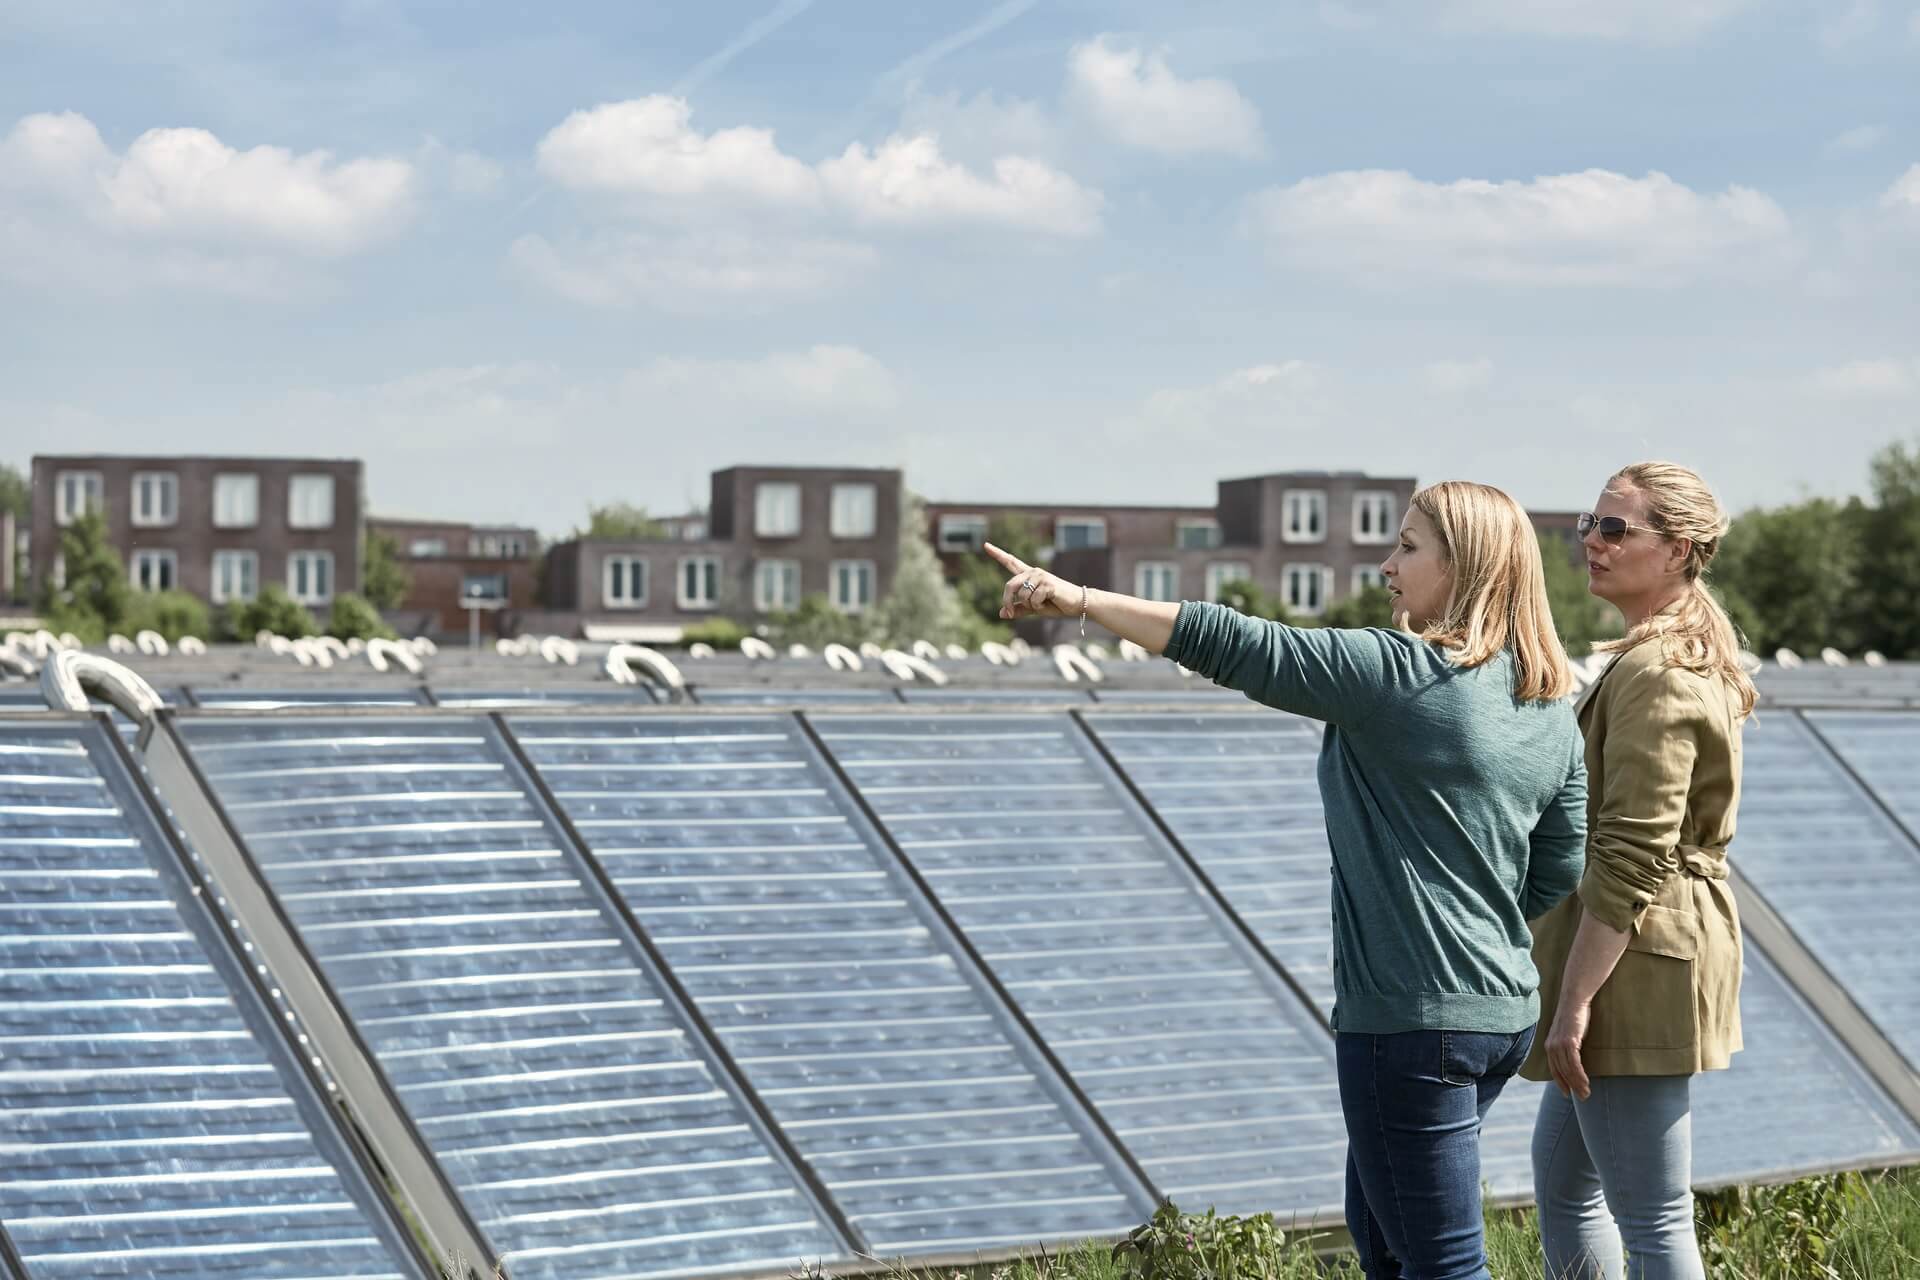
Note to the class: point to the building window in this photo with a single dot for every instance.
(1196, 535)
(1156, 580)
(691, 530)
(852, 585)
(853, 511)
(1307, 587)
(236, 576)
(310, 576)
(776, 585)
(699, 583)
(1367, 575)
(156, 499)
(74, 493)
(496, 546)
(1074, 533)
(776, 510)
(57, 572)
(483, 586)
(1222, 572)
(427, 548)
(156, 570)
(1306, 515)
(310, 502)
(623, 582)
(961, 533)
(236, 501)
(1374, 512)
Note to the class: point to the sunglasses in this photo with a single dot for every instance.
(1613, 529)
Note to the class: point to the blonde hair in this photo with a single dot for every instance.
(1498, 601)
(1679, 505)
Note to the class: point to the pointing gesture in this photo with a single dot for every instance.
(1032, 592)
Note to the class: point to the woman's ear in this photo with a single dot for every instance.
(1679, 551)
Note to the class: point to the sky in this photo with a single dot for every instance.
(522, 259)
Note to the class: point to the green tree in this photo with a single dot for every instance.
(1790, 575)
(1247, 596)
(1889, 581)
(276, 611)
(16, 497)
(980, 582)
(816, 623)
(174, 614)
(384, 580)
(96, 597)
(353, 617)
(1370, 606)
(922, 604)
(720, 633)
(1578, 615)
(622, 522)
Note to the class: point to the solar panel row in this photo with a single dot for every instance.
(669, 993)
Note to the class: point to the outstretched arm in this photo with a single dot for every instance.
(1033, 592)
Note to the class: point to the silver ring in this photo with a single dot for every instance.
(1030, 584)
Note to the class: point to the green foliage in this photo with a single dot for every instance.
(1578, 615)
(721, 633)
(354, 618)
(1201, 1246)
(1789, 574)
(621, 521)
(16, 495)
(97, 596)
(922, 604)
(981, 582)
(276, 611)
(1246, 596)
(1788, 1230)
(1889, 573)
(816, 624)
(230, 623)
(1369, 607)
(383, 579)
(173, 614)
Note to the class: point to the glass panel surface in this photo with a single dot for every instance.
(770, 697)
(274, 699)
(490, 699)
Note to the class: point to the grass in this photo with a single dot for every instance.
(1848, 1226)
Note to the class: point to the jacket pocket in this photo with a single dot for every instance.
(1648, 1003)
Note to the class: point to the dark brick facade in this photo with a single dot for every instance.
(443, 559)
(185, 526)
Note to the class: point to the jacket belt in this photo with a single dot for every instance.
(1707, 864)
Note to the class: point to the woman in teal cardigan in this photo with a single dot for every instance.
(1455, 794)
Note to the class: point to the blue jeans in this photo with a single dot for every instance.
(1617, 1168)
(1414, 1101)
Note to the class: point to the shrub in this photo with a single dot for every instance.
(1200, 1246)
(354, 618)
(172, 613)
(276, 611)
(721, 633)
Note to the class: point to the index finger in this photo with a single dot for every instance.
(1008, 561)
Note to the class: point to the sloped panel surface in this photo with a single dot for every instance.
(588, 1132)
(145, 1128)
(1843, 877)
(249, 699)
(503, 699)
(803, 945)
(1219, 1081)
(1240, 792)
(782, 696)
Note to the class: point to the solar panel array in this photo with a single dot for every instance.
(668, 991)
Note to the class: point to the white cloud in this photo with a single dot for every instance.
(1860, 138)
(1904, 194)
(188, 185)
(1844, 26)
(690, 271)
(1588, 228)
(907, 182)
(1258, 398)
(984, 126)
(822, 377)
(1869, 379)
(1136, 97)
(1457, 377)
(1651, 21)
(647, 146)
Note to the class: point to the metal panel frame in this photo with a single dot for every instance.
(388, 1130)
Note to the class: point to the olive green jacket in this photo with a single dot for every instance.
(1663, 770)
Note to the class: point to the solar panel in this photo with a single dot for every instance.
(590, 1134)
(506, 699)
(1041, 696)
(146, 1126)
(1217, 1079)
(875, 1045)
(785, 697)
(1842, 874)
(1207, 696)
(236, 699)
(1240, 792)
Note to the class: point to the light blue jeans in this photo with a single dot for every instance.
(1617, 1169)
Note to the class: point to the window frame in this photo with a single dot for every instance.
(834, 527)
(170, 487)
(681, 600)
(63, 512)
(1315, 499)
(156, 556)
(607, 563)
(1060, 524)
(1364, 576)
(218, 593)
(1325, 575)
(312, 557)
(1170, 569)
(762, 601)
(833, 585)
(1183, 523)
(252, 481)
(942, 534)
(427, 549)
(1213, 579)
(761, 490)
(1387, 501)
(300, 480)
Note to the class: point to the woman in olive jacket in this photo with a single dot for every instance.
(1640, 969)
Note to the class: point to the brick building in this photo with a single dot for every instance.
(217, 528)
(770, 536)
(448, 562)
(1311, 537)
